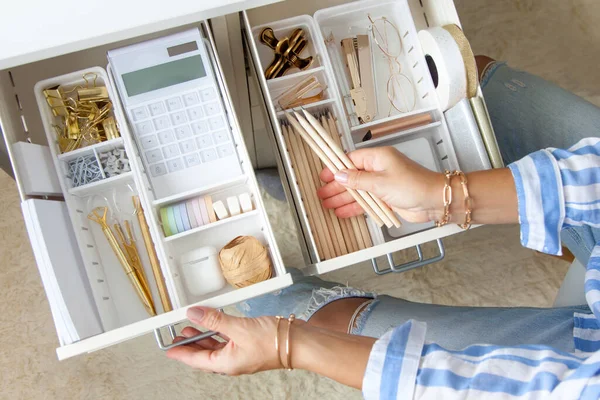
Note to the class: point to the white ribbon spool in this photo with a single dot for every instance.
(440, 46)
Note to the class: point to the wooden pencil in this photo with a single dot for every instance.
(303, 191)
(356, 224)
(360, 220)
(314, 173)
(311, 195)
(376, 204)
(308, 137)
(337, 225)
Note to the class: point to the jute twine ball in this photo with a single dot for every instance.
(245, 261)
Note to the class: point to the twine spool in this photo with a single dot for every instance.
(245, 261)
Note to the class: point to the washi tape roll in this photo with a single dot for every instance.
(203, 210)
(197, 212)
(209, 206)
(164, 220)
(245, 202)
(184, 217)
(233, 204)
(446, 65)
(171, 220)
(178, 219)
(191, 215)
(220, 210)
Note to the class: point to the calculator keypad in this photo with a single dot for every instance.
(182, 131)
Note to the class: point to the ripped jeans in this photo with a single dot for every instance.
(528, 113)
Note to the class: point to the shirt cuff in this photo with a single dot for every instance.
(541, 201)
(394, 361)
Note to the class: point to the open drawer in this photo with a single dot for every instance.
(432, 143)
(101, 285)
(93, 302)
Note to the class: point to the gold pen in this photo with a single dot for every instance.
(98, 215)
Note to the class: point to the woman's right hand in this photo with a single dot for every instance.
(411, 190)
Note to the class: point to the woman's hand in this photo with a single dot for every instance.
(411, 190)
(250, 345)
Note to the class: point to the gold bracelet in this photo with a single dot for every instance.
(468, 201)
(291, 319)
(277, 340)
(447, 197)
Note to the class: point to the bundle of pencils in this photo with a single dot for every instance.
(313, 142)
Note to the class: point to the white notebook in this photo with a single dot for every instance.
(61, 269)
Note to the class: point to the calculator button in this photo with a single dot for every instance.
(208, 94)
(209, 155)
(175, 165)
(221, 136)
(226, 150)
(192, 159)
(191, 99)
(153, 156)
(139, 113)
(149, 142)
(183, 132)
(178, 118)
(157, 108)
(212, 109)
(204, 141)
(144, 128)
(216, 122)
(195, 113)
(187, 146)
(166, 136)
(200, 127)
(174, 103)
(171, 151)
(158, 169)
(161, 123)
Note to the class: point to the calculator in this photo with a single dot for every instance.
(175, 109)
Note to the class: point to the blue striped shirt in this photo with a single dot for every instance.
(555, 189)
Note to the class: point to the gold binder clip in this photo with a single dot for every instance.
(110, 128)
(287, 52)
(73, 129)
(94, 94)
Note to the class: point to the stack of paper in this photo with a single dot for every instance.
(62, 270)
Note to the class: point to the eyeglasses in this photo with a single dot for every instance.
(400, 89)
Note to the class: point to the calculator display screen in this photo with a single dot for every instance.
(164, 75)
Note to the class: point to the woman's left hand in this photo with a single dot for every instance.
(250, 345)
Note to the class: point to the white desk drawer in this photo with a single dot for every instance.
(283, 18)
(111, 299)
(20, 121)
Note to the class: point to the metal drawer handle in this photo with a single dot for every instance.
(411, 264)
(161, 344)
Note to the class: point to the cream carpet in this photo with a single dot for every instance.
(484, 267)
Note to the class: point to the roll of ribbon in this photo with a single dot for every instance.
(446, 65)
(468, 58)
